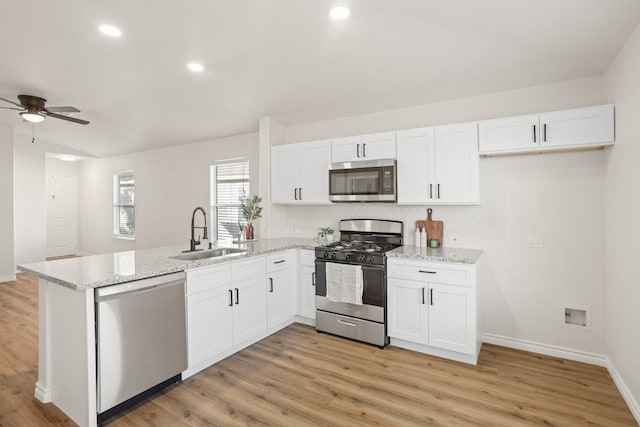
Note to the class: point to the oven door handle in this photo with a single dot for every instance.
(344, 322)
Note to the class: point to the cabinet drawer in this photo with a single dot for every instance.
(207, 278)
(458, 274)
(307, 257)
(248, 269)
(280, 261)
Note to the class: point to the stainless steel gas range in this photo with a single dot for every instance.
(351, 280)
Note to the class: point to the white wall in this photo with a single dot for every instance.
(170, 183)
(556, 197)
(7, 263)
(621, 231)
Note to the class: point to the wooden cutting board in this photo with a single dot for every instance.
(434, 228)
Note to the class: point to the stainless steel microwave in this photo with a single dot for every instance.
(366, 181)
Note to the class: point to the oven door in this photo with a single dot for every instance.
(374, 294)
(373, 181)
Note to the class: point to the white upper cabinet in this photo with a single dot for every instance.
(438, 165)
(300, 173)
(509, 135)
(577, 128)
(375, 146)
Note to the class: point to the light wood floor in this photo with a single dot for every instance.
(298, 377)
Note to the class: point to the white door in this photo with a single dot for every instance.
(413, 149)
(249, 309)
(284, 173)
(377, 146)
(209, 324)
(307, 294)
(508, 135)
(62, 210)
(314, 159)
(457, 164)
(407, 311)
(580, 126)
(279, 297)
(452, 317)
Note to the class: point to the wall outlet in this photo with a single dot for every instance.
(534, 243)
(454, 239)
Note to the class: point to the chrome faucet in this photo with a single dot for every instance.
(194, 242)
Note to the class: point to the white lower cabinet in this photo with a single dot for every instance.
(432, 308)
(307, 287)
(280, 292)
(249, 310)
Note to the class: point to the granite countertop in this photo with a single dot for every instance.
(465, 256)
(109, 269)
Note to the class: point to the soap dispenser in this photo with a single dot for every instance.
(423, 237)
(416, 238)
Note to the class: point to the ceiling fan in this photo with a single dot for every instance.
(32, 109)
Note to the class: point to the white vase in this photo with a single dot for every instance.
(331, 237)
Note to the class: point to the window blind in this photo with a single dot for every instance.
(230, 183)
(124, 204)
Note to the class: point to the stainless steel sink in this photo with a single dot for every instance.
(209, 253)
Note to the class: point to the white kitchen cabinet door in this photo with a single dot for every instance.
(415, 185)
(457, 164)
(378, 146)
(209, 324)
(280, 302)
(307, 292)
(408, 310)
(375, 146)
(314, 159)
(249, 309)
(577, 127)
(284, 173)
(509, 135)
(452, 318)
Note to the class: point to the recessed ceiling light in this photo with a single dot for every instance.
(67, 158)
(339, 12)
(110, 30)
(195, 67)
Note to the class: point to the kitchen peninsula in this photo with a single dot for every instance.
(67, 288)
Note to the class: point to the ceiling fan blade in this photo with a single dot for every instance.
(11, 108)
(67, 118)
(11, 102)
(67, 109)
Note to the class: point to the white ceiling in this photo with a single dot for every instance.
(283, 58)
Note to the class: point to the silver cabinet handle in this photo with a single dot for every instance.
(300, 192)
(364, 154)
(544, 132)
(431, 191)
(357, 150)
(295, 193)
(438, 191)
(270, 284)
(344, 322)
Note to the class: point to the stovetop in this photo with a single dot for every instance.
(361, 246)
(355, 252)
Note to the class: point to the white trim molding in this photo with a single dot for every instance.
(632, 403)
(10, 278)
(549, 350)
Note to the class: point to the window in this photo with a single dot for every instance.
(124, 211)
(229, 182)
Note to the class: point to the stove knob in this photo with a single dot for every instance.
(361, 258)
(325, 254)
(371, 259)
(333, 255)
(347, 257)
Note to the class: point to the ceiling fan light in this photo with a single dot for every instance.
(32, 117)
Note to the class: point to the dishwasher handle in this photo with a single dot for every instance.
(139, 286)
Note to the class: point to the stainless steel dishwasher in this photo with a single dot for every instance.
(141, 340)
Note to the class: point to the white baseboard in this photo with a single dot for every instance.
(632, 403)
(42, 394)
(549, 350)
(9, 278)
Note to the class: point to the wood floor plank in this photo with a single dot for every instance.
(298, 377)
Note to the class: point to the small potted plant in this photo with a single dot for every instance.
(251, 210)
(327, 233)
